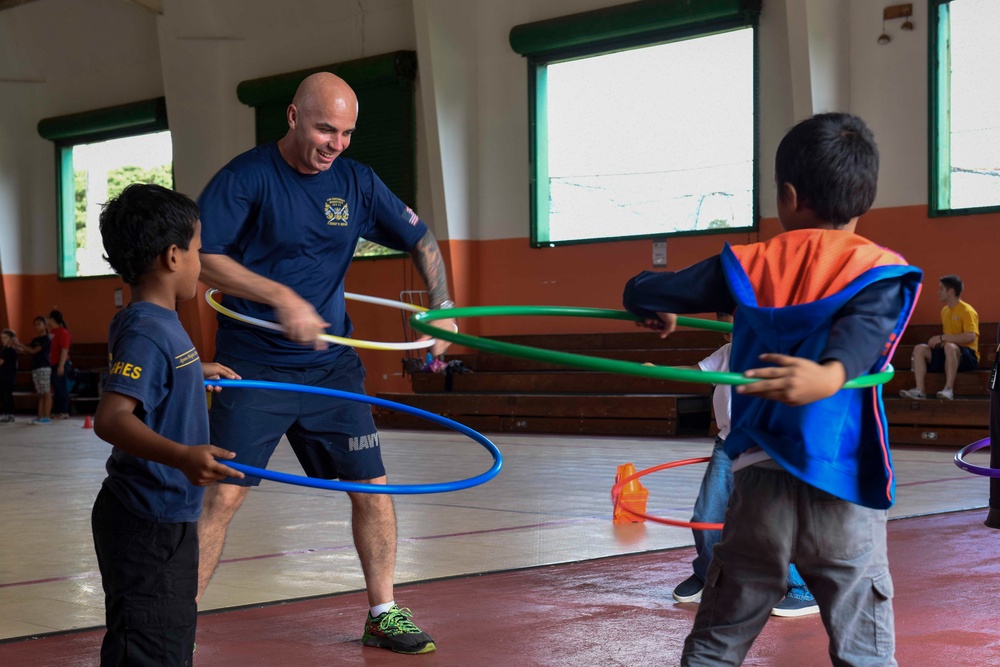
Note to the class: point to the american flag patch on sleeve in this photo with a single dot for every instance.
(410, 216)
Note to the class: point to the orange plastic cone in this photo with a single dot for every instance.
(633, 497)
(87, 423)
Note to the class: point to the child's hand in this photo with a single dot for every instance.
(665, 323)
(199, 465)
(214, 371)
(795, 381)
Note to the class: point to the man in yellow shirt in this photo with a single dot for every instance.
(954, 350)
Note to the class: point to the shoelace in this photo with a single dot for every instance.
(398, 620)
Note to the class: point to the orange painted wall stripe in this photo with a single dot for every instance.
(509, 272)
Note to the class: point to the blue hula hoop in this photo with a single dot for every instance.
(357, 487)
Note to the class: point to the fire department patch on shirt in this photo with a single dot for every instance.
(336, 211)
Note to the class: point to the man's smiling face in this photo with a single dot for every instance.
(320, 129)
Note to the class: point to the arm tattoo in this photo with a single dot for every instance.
(427, 258)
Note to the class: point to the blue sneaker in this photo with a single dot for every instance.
(41, 420)
(792, 606)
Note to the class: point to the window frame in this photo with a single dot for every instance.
(939, 110)
(373, 79)
(66, 132)
(609, 30)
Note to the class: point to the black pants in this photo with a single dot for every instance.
(993, 517)
(60, 389)
(6, 397)
(149, 571)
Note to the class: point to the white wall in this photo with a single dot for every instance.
(59, 57)
(208, 48)
(889, 90)
(64, 56)
(99, 53)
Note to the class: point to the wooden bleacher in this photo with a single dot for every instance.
(511, 395)
(933, 421)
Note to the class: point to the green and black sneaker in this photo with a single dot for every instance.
(395, 631)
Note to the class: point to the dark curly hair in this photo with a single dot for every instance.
(142, 222)
(832, 161)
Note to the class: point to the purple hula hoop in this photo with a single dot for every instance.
(968, 467)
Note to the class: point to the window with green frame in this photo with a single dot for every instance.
(964, 107)
(643, 120)
(99, 153)
(385, 136)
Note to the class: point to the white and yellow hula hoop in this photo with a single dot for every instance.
(339, 340)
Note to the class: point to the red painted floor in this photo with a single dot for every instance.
(615, 611)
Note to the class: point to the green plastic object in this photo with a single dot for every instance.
(422, 323)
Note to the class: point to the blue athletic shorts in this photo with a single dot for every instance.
(333, 438)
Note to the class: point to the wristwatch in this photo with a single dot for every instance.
(444, 305)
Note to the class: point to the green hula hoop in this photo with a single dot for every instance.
(422, 323)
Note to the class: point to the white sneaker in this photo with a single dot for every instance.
(947, 394)
(912, 393)
(791, 607)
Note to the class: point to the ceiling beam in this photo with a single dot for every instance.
(10, 4)
(154, 6)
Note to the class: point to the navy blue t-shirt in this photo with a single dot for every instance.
(8, 371)
(40, 359)
(299, 230)
(154, 362)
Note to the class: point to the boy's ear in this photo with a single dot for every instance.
(171, 257)
(790, 196)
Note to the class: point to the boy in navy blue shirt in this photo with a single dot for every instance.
(153, 411)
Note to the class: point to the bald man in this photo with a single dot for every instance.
(279, 227)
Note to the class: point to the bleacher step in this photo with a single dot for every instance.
(622, 406)
(661, 357)
(552, 382)
(938, 436)
(553, 425)
(936, 412)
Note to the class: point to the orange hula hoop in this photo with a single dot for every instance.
(616, 492)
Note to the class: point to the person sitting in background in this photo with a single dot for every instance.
(8, 374)
(957, 349)
(41, 369)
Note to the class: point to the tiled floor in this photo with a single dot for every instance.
(550, 504)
